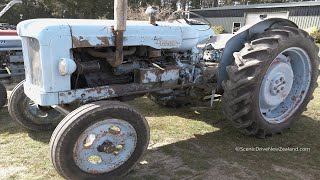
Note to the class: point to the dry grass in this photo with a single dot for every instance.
(187, 143)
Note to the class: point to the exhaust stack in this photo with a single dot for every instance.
(120, 17)
(152, 12)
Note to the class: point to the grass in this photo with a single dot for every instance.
(187, 143)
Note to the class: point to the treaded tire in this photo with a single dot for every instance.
(73, 125)
(19, 114)
(3, 95)
(241, 90)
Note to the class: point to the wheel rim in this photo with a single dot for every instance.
(37, 115)
(105, 146)
(285, 85)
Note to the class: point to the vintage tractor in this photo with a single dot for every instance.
(86, 69)
(11, 59)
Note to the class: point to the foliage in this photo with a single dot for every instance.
(311, 30)
(316, 36)
(314, 32)
(218, 29)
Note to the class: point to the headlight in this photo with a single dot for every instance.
(34, 59)
(67, 66)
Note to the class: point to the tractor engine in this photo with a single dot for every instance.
(141, 65)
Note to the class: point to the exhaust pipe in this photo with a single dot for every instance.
(120, 17)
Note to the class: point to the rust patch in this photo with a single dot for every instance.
(82, 42)
(104, 42)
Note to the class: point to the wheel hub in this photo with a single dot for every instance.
(105, 146)
(277, 85)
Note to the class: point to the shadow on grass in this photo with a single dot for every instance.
(204, 113)
(214, 156)
(8, 126)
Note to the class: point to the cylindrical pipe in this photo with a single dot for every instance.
(110, 54)
(120, 14)
(120, 17)
(152, 20)
(88, 67)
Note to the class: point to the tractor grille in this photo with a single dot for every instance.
(34, 59)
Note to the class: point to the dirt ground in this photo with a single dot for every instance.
(187, 143)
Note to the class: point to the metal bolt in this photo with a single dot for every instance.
(278, 91)
(275, 88)
(284, 82)
(282, 88)
(277, 81)
(281, 79)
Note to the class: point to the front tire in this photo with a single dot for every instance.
(271, 81)
(101, 140)
(27, 114)
(3, 95)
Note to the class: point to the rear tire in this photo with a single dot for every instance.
(85, 130)
(243, 101)
(3, 95)
(23, 111)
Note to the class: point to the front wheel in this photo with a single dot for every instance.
(28, 114)
(3, 95)
(101, 140)
(271, 81)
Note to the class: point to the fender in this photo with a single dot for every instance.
(236, 43)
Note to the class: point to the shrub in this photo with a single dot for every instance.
(316, 36)
(315, 33)
(218, 29)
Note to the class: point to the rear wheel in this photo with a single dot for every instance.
(28, 114)
(101, 140)
(3, 95)
(271, 81)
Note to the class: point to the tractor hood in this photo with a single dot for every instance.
(98, 33)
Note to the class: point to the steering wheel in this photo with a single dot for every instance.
(192, 22)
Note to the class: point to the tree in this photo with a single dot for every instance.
(29, 9)
(81, 8)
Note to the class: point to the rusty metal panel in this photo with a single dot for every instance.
(155, 75)
(105, 92)
(90, 41)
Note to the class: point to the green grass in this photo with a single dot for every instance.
(192, 143)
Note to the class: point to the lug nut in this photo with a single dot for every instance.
(282, 88)
(281, 79)
(278, 92)
(284, 82)
(277, 81)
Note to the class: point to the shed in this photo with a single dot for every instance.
(304, 14)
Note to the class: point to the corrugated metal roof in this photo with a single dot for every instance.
(264, 6)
